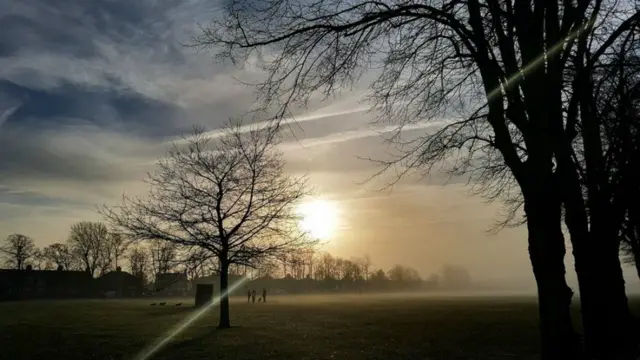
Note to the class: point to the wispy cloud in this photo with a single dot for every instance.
(4, 115)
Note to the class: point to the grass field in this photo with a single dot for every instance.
(288, 327)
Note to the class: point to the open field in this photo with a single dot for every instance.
(287, 327)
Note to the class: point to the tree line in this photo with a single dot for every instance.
(92, 248)
(325, 267)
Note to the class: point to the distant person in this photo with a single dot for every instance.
(264, 294)
(248, 295)
(253, 296)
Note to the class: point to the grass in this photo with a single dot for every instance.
(287, 327)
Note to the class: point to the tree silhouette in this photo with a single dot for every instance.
(139, 263)
(114, 249)
(599, 175)
(60, 255)
(18, 250)
(87, 241)
(163, 256)
(516, 77)
(228, 196)
(615, 102)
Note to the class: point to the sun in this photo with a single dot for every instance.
(319, 218)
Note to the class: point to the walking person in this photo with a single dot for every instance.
(264, 294)
(253, 296)
(248, 295)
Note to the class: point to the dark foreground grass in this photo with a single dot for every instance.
(345, 327)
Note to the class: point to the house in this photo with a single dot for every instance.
(171, 284)
(44, 284)
(119, 284)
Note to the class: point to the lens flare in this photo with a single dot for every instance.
(553, 51)
(162, 341)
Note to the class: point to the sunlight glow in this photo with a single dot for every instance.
(319, 218)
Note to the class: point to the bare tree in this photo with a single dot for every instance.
(163, 256)
(18, 250)
(198, 262)
(616, 104)
(60, 255)
(115, 247)
(268, 267)
(39, 262)
(366, 265)
(229, 197)
(326, 268)
(139, 263)
(87, 241)
(309, 255)
(516, 78)
(402, 273)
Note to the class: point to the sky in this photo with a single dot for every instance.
(91, 92)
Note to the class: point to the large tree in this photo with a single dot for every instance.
(616, 102)
(228, 196)
(597, 162)
(516, 78)
(18, 250)
(87, 241)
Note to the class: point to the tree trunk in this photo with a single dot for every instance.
(635, 239)
(609, 327)
(636, 258)
(225, 321)
(608, 323)
(547, 252)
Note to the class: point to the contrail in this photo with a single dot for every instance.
(213, 134)
(162, 341)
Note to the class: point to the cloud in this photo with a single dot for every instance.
(5, 113)
(89, 90)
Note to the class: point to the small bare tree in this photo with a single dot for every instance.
(87, 241)
(18, 250)
(366, 265)
(115, 247)
(198, 262)
(139, 263)
(39, 262)
(229, 197)
(163, 256)
(60, 255)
